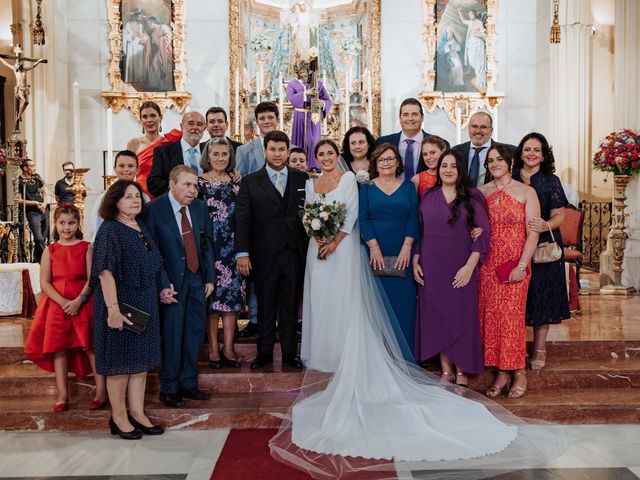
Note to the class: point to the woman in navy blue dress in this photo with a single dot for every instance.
(124, 269)
(547, 300)
(389, 225)
(219, 192)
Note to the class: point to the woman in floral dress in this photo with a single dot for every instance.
(219, 191)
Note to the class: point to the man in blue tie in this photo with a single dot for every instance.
(409, 139)
(474, 151)
(185, 151)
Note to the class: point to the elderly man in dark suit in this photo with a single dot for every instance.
(217, 125)
(271, 245)
(179, 224)
(475, 151)
(185, 151)
(409, 139)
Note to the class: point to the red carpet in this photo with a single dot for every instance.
(245, 456)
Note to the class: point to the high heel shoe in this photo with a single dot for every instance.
(152, 430)
(518, 391)
(538, 364)
(495, 390)
(61, 407)
(229, 362)
(215, 364)
(446, 376)
(134, 434)
(97, 404)
(462, 380)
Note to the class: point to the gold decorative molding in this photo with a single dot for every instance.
(374, 22)
(467, 102)
(123, 95)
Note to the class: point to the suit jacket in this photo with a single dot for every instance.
(464, 148)
(267, 223)
(234, 145)
(250, 157)
(162, 226)
(394, 139)
(165, 157)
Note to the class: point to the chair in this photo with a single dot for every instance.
(571, 231)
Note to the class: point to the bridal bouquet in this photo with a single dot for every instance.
(323, 220)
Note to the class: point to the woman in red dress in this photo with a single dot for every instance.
(502, 305)
(60, 339)
(432, 148)
(143, 147)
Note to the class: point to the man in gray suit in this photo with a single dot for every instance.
(250, 157)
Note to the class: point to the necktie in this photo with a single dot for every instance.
(409, 170)
(279, 183)
(191, 156)
(474, 169)
(189, 241)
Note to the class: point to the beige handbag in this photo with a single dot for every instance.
(547, 252)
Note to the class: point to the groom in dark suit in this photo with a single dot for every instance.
(180, 226)
(409, 139)
(185, 151)
(271, 245)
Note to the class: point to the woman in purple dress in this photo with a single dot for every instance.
(446, 265)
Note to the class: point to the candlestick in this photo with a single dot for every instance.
(281, 100)
(109, 169)
(237, 102)
(495, 123)
(370, 98)
(324, 82)
(76, 125)
(347, 100)
(259, 84)
(458, 125)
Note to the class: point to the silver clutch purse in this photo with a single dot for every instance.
(389, 270)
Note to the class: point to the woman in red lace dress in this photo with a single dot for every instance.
(502, 305)
(432, 148)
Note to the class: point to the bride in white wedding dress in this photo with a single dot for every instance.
(376, 405)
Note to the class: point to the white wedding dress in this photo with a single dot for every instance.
(375, 405)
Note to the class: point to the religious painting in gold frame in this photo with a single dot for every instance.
(146, 39)
(258, 64)
(460, 70)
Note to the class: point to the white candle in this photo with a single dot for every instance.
(259, 84)
(109, 170)
(281, 100)
(76, 125)
(237, 102)
(370, 109)
(458, 125)
(347, 95)
(324, 82)
(495, 123)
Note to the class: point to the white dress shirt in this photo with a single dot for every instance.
(176, 212)
(185, 154)
(417, 148)
(483, 156)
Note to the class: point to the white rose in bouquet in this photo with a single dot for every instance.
(316, 224)
(362, 176)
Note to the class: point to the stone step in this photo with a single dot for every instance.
(27, 379)
(265, 410)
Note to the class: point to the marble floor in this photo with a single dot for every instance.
(597, 452)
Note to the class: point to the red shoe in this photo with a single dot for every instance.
(97, 404)
(61, 407)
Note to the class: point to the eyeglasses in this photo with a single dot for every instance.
(387, 159)
(480, 127)
(147, 245)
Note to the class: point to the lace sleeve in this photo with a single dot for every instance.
(557, 198)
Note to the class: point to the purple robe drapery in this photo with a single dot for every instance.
(304, 133)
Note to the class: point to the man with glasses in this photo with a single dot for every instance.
(474, 152)
(409, 140)
(62, 190)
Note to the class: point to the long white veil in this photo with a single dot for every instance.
(378, 405)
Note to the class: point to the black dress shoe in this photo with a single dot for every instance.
(250, 330)
(260, 362)
(294, 362)
(134, 434)
(152, 430)
(227, 362)
(194, 393)
(172, 400)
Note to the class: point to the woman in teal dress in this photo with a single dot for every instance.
(389, 225)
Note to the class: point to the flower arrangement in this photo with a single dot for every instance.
(619, 153)
(350, 46)
(3, 161)
(322, 220)
(261, 43)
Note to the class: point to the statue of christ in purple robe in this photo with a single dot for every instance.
(306, 131)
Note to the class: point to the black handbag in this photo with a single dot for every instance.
(389, 269)
(138, 318)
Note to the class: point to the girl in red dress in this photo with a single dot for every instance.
(60, 337)
(432, 148)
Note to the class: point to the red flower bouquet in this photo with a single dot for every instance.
(619, 153)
